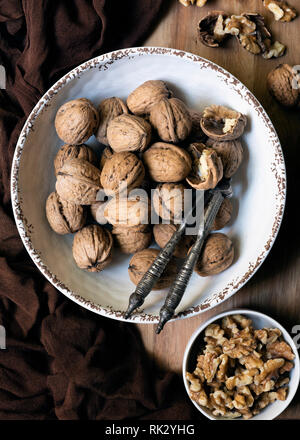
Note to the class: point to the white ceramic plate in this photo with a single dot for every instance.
(260, 320)
(259, 186)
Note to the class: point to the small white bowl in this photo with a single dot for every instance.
(260, 320)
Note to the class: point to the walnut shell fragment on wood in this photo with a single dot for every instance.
(92, 247)
(76, 121)
(211, 29)
(64, 217)
(140, 263)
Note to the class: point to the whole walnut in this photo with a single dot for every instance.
(127, 211)
(222, 124)
(128, 133)
(132, 239)
(97, 211)
(122, 171)
(171, 119)
(207, 168)
(78, 181)
(64, 217)
(141, 100)
(163, 233)
(140, 263)
(106, 154)
(92, 248)
(230, 153)
(223, 216)
(67, 152)
(168, 201)
(283, 85)
(108, 109)
(76, 121)
(167, 162)
(216, 256)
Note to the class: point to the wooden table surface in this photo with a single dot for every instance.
(274, 289)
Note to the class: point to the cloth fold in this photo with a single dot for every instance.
(62, 361)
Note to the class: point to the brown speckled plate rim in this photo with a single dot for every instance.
(103, 62)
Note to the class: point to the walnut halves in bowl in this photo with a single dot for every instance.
(142, 99)
(216, 256)
(222, 124)
(122, 171)
(92, 247)
(132, 239)
(140, 263)
(108, 109)
(207, 168)
(78, 181)
(171, 119)
(128, 133)
(230, 153)
(167, 162)
(76, 121)
(67, 152)
(64, 217)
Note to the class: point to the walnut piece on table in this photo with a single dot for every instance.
(198, 3)
(281, 10)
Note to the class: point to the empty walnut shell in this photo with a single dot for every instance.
(223, 216)
(141, 100)
(163, 233)
(78, 181)
(128, 133)
(67, 152)
(122, 171)
(92, 247)
(127, 211)
(211, 29)
(222, 124)
(230, 153)
(108, 109)
(216, 256)
(168, 201)
(97, 212)
(196, 134)
(171, 119)
(282, 84)
(207, 168)
(140, 263)
(64, 217)
(167, 162)
(131, 240)
(76, 121)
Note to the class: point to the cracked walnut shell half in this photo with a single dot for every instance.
(142, 99)
(163, 233)
(92, 247)
(64, 217)
(67, 152)
(78, 181)
(222, 124)
(132, 239)
(283, 85)
(122, 171)
(76, 121)
(211, 29)
(108, 109)
(167, 162)
(207, 168)
(217, 255)
(140, 263)
(128, 133)
(171, 119)
(230, 153)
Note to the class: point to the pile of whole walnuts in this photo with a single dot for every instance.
(153, 142)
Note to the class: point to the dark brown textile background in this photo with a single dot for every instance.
(62, 361)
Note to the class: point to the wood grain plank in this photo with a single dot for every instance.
(274, 289)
